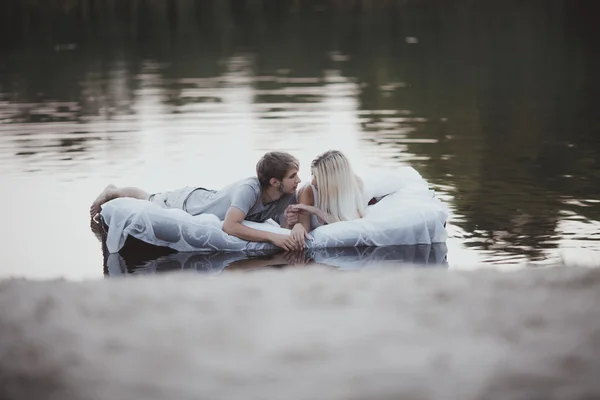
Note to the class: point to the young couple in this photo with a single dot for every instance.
(334, 194)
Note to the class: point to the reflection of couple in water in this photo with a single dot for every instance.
(141, 258)
(334, 194)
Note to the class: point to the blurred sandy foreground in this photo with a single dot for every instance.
(305, 334)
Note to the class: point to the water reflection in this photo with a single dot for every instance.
(492, 102)
(354, 258)
(137, 257)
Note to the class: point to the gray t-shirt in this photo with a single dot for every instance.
(244, 195)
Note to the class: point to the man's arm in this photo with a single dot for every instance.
(233, 226)
(295, 216)
(279, 259)
(284, 221)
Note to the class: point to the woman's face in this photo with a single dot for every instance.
(313, 180)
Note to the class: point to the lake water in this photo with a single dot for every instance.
(494, 104)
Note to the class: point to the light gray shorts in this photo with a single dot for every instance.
(172, 199)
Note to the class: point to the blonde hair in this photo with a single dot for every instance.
(340, 191)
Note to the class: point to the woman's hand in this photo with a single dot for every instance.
(298, 235)
(302, 209)
(292, 213)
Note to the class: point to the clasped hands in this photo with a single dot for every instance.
(293, 212)
(295, 241)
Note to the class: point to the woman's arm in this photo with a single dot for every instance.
(305, 197)
(307, 210)
(305, 206)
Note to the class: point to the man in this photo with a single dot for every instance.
(257, 199)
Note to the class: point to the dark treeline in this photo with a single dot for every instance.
(62, 19)
(77, 19)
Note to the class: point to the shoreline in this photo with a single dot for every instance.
(305, 333)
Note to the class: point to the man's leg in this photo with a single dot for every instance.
(112, 192)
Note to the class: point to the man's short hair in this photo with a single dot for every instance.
(274, 164)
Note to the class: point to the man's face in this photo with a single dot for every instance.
(290, 182)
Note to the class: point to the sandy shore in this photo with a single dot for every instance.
(308, 333)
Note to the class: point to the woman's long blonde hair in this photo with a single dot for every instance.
(340, 191)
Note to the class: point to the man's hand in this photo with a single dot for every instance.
(284, 242)
(296, 258)
(298, 235)
(291, 216)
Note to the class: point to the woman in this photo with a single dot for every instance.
(334, 194)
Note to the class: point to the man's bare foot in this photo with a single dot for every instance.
(96, 227)
(105, 196)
